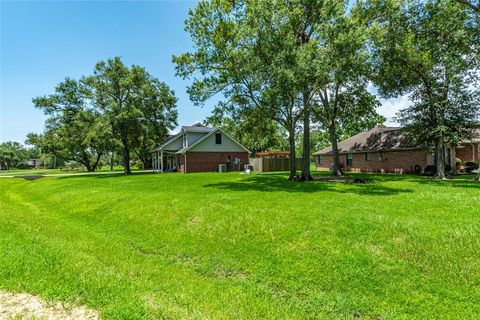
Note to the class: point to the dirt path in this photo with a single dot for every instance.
(27, 306)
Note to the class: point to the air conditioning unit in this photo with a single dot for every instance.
(248, 168)
(222, 168)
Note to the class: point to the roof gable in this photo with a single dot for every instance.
(169, 142)
(197, 145)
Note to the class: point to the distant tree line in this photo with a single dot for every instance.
(14, 155)
(115, 110)
(296, 68)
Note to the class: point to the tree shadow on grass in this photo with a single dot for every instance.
(279, 182)
(457, 181)
(102, 175)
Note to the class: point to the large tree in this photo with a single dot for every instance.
(286, 58)
(12, 154)
(229, 60)
(339, 72)
(139, 108)
(316, 54)
(74, 129)
(429, 49)
(158, 106)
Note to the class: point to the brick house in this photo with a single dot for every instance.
(199, 148)
(388, 149)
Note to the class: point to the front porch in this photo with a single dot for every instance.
(164, 161)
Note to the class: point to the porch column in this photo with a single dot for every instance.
(161, 160)
(153, 162)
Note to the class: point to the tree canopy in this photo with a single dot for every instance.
(286, 59)
(116, 107)
(429, 49)
(74, 129)
(13, 155)
(139, 108)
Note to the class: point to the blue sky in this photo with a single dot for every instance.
(43, 42)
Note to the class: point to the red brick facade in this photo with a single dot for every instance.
(209, 161)
(468, 152)
(391, 161)
(398, 161)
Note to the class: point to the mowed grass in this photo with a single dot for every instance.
(22, 172)
(231, 246)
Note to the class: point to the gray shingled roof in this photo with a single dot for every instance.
(376, 139)
(197, 127)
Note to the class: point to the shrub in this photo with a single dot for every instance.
(417, 169)
(430, 170)
(138, 164)
(471, 165)
(23, 165)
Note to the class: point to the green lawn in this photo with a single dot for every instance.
(231, 246)
(19, 172)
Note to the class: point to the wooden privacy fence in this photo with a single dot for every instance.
(273, 164)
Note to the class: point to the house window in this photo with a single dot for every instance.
(218, 138)
(349, 159)
(321, 160)
(368, 156)
(380, 156)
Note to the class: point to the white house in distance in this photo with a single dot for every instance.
(199, 148)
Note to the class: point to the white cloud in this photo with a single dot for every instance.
(390, 107)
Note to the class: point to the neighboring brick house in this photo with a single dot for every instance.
(387, 149)
(199, 148)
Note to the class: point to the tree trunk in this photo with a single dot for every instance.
(440, 160)
(88, 166)
(146, 163)
(306, 175)
(126, 158)
(146, 160)
(111, 160)
(95, 165)
(337, 168)
(292, 160)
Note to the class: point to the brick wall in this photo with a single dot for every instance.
(209, 161)
(468, 152)
(392, 161)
